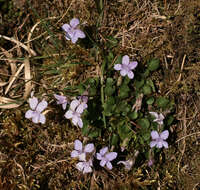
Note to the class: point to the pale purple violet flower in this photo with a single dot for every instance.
(158, 139)
(81, 151)
(75, 112)
(106, 157)
(158, 117)
(83, 104)
(128, 164)
(85, 167)
(61, 100)
(83, 98)
(126, 67)
(150, 162)
(36, 109)
(72, 32)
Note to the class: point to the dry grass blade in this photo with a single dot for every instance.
(13, 78)
(32, 30)
(3, 84)
(184, 124)
(65, 12)
(12, 64)
(182, 65)
(8, 103)
(27, 75)
(20, 44)
(197, 133)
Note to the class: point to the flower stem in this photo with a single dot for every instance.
(102, 91)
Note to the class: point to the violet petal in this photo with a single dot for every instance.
(111, 156)
(78, 145)
(164, 135)
(74, 22)
(125, 60)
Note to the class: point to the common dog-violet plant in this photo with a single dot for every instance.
(116, 109)
(126, 105)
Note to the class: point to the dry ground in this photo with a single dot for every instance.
(37, 157)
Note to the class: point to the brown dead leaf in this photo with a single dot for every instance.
(8, 103)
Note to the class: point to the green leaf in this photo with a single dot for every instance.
(140, 114)
(81, 88)
(92, 90)
(78, 63)
(122, 107)
(144, 123)
(124, 91)
(109, 90)
(126, 81)
(170, 120)
(162, 102)
(112, 42)
(109, 106)
(138, 83)
(133, 115)
(110, 101)
(146, 89)
(153, 64)
(107, 110)
(146, 136)
(110, 57)
(150, 100)
(150, 83)
(118, 60)
(109, 81)
(141, 141)
(146, 73)
(124, 132)
(123, 94)
(85, 130)
(115, 140)
(93, 81)
(125, 142)
(126, 110)
(94, 133)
